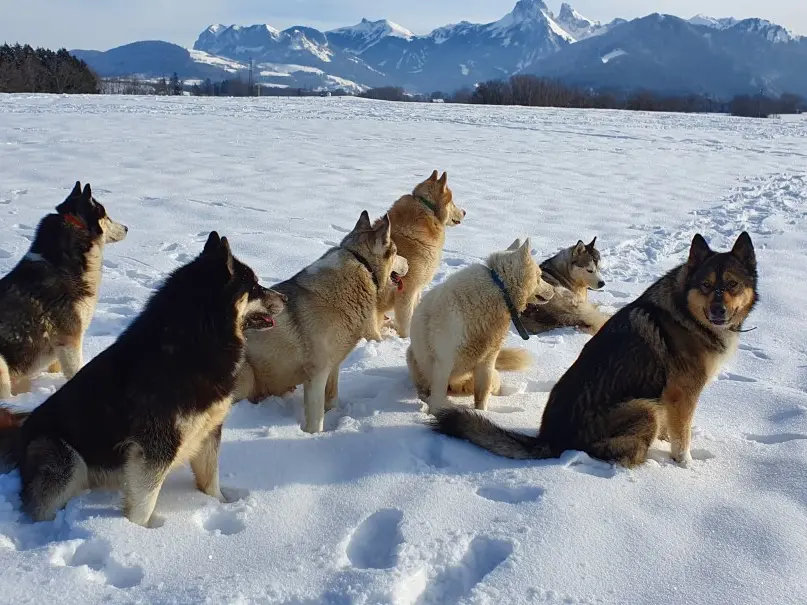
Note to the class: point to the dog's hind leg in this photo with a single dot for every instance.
(71, 357)
(441, 376)
(404, 309)
(5, 379)
(416, 376)
(205, 465)
(314, 401)
(245, 384)
(332, 388)
(632, 429)
(52, 473)
(143, 479)
(485, 379)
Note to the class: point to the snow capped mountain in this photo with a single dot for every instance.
(577, 25)
(655, 52)
(358, 38)
(714, 23)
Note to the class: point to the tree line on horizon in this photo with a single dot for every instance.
(28, 69)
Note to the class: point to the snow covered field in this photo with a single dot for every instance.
(377, 509)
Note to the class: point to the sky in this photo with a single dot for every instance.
(103, 24)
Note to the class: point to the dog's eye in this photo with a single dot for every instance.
(732, 285)
(706, 285)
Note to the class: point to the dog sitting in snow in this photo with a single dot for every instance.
(460, 326)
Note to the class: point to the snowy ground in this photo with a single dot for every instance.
(378, 509)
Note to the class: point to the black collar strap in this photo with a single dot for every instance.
(428, 203)
(510, 306)
(367, 266)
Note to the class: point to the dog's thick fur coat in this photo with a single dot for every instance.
(419, 224)
(47, 301)
(154, 399)
(330, 305)
(572, 273)
(461, 324)
(641, 375)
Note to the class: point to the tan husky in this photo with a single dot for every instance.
(460, 326)
(330, 304)
(419, 223)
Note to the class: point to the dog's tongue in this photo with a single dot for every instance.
(397, 280)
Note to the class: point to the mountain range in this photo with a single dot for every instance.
(719, 57)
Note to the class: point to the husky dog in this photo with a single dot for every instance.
(460, 326)
(330, 305)
(641, 375)
(572, 273)
(48, 299)
(419, 222)
(152, 401)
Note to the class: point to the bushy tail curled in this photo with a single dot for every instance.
(513, 360)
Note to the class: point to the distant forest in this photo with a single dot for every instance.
(25, 69)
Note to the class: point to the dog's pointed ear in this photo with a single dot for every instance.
(743, 250)
(526, 249)
(384, 231)
(227, 255)
(433, 177)
(212, 244)
(579, 248)
(591, 245)
(443, 180)
(69, 204)
(699, 251)
(363, 224)
(87, 193)
(515, 245)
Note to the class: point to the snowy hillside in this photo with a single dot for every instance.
(379, 510)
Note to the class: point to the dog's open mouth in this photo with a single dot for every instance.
(456, 221)
(396, 280)
(259, 321)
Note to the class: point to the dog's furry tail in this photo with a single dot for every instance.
(513, 360)
(10, 423)
(466, 424)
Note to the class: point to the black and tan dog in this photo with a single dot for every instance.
(47, 300)
(641, 375)
(153, 400)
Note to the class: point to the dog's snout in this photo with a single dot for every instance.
(717, 310)
(600, 284)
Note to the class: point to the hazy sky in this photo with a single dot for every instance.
(102, 24)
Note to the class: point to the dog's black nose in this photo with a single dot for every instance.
(125, 229)
(464, 213)
(717, 311)
(600, 284)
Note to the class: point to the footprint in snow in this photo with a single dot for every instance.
(735, 377)
(374, 543)
(758, 353)
(96, 555)
(483, 557)
(776, 439)
(510, 495)
(221, 522)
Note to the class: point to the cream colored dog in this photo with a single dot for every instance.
(460, 326)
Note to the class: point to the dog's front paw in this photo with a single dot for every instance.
(233, 494)
(684, 459)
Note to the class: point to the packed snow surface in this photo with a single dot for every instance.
(377, 509)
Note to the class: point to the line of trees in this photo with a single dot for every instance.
(26, 69)
(761, 106)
